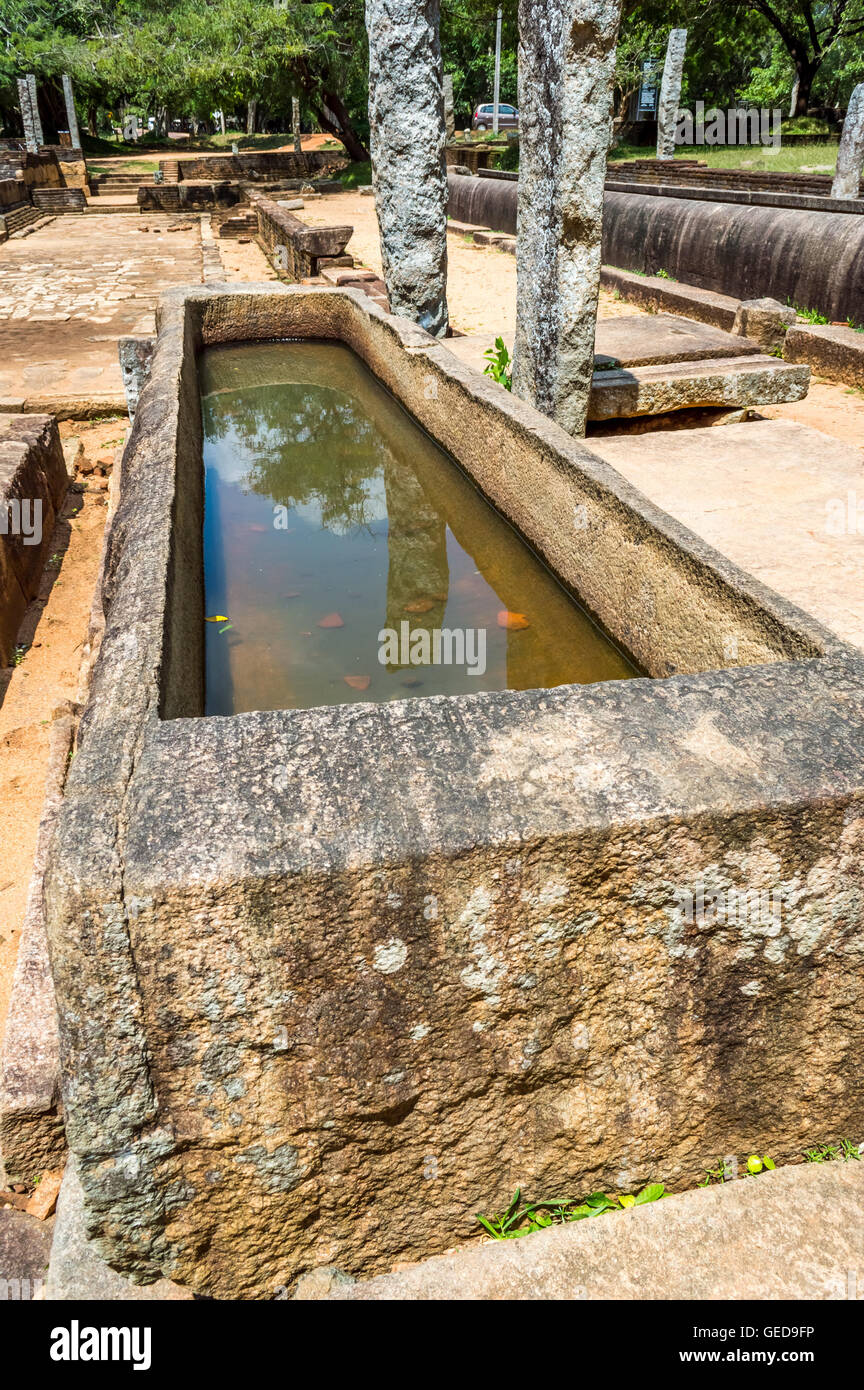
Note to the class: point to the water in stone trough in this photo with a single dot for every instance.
(347, 558)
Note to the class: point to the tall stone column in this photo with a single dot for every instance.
(295, 125)
(34, 106)
(251, 113)
(850, 156)
(406, 123)
(71, 117)
(566, 66)
(449, 121)
(670, 93)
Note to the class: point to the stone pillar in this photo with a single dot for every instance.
(295, 125)
(71, 118)
(406, 123)
(29, 118)
(850, 156)
(566, 66)
(670, 93)
(449, 121)
(251, 113)
(793, 100)
(34, 107)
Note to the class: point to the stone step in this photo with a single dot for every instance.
(59, 199)
(19, 218)
(731, 382)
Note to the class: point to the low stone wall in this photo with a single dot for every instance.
(173, 197)
(254, 167)
(295, 248)
(315, 1009)
(832, 351)
(814, 260)
(33, 483)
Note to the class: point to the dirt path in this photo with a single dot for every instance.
(52, 638)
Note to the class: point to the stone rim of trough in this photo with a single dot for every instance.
(153, 803)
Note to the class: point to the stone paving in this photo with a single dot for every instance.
(72, 288)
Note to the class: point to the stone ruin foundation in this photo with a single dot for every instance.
(331, 980)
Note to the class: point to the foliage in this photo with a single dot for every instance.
(499, 364)
(825, 1153)
(522, 1220)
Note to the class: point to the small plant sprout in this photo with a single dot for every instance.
(755, 1164)
(523, 1220)
(499, 364)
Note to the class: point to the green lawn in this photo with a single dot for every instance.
(804, 159)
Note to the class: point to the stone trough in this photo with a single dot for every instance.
(331, 980)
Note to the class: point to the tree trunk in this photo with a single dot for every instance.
(251, 113)
(332, 114)
(92, 121)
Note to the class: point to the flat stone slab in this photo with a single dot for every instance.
(773, 496)
(831, 350)
(633, 340)
(795, 1233)
(75, 1270)
(640, 340)
(730, 382)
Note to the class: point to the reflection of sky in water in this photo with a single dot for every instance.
(381, 528)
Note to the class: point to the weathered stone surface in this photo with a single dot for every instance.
(832, 351)
(136, 356)
(296, 248)
(304, 1026)
(75, 1270)
(780, 499)
(850, 155)
(320, 1283)
(295, 125)
(566, 66)
(25, 1243)
(31, 1116)
(792, 1234)
(449, 121)
(811, 259)
(31, 141)
(641, 340)
(670, 93)
(731, 381)
(71, 117)
(764, 321)
(406, 128)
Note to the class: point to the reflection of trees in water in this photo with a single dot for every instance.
(302, 444)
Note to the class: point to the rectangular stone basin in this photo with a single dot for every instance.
(330, 980)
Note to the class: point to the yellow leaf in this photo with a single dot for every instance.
(218, 618)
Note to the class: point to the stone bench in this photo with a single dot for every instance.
(298, 248)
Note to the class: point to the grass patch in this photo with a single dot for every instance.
(788, 159)
(357, 175)
(523, 1218)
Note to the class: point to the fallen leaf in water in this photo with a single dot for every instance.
(358, 682)
(217, 618)
(331, 620)
(305, 634)
(226, 629)
(513, 622)
(420, 605)
(293, 593)
(412, 683)
(258, 528)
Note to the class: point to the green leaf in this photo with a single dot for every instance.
(652, 1193)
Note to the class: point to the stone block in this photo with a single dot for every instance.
(763, 321)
